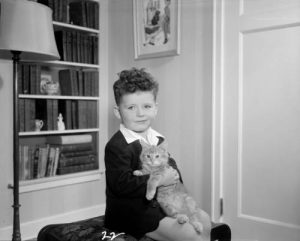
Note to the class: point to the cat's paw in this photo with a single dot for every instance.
(150, 195)
(198, 227)
(137, 173)
(182, 218)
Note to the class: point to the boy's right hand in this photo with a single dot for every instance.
(170, 176)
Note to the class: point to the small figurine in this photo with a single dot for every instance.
(38, 124)
(60, 123)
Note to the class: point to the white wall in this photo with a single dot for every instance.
(185, 87)
(184, 117)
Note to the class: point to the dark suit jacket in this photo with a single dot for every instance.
(127, 209)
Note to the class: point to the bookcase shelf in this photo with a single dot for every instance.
(62, 97)
(44, 133)
(62, 180)
(59, 25)
(76, 97)
(71, 64)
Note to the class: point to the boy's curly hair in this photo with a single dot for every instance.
(133, 80)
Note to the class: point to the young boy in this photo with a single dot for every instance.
(127, 209)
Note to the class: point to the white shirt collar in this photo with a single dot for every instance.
(131, 136)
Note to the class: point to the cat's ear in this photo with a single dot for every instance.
(164, 145)
(144, 144)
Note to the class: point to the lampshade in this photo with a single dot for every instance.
(26, 26)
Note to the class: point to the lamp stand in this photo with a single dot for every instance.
(16, 218)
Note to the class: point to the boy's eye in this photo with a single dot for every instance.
(130, 108)
(148, 106)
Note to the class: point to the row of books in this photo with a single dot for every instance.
(80, 114)
(76, 153)
(74, 46)
(77, 114)
(46, 160)
(79, 83)
(83, 13)
(29, 78)
(70, 81)
(37, 161)
(59, 9)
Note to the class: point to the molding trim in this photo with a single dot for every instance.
(269, 221)
(30, 229)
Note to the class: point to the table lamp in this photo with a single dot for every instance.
(26, 33)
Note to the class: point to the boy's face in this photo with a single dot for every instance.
(137, 110)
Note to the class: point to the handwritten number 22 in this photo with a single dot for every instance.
(111, 236)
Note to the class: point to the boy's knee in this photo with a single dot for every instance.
(193, 236)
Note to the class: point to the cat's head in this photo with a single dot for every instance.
(154, 156)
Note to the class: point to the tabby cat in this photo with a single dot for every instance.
(174, 199)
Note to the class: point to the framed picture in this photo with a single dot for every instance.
(156, 28)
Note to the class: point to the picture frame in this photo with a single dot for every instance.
(156, 28)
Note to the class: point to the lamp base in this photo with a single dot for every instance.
(16, 206)
(16, 229)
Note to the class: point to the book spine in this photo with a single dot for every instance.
(29, 114)
(74, 161)
(20, 79)
(66, 81)
(49, 115)
(54, 114)
(96, 80)
(77, 153)
(56, 158)
(22, 114)
(95, 50)
(50, 162)
(33, 81)
(36, 161)
(82, 114)
(38, 79)
(68, 115)
(77, 168)
(75, 147)
(74, 81)
(65, 11)
(74, 46)
(80, 82)
(26, 79)
(69, 45)
(74, 114)
(97, 16)
(72, 139)
(21, 162)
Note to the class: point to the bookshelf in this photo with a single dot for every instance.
(69, 87)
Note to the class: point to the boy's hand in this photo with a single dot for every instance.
(170, 176)
(137, 173)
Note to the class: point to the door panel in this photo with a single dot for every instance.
(270, 116)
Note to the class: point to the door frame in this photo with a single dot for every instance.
(217, 110)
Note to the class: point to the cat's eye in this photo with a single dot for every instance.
(148, 156)
(156, 156)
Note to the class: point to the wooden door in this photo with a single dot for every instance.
(256, 129)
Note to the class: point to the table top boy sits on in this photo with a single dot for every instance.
(127, 209)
